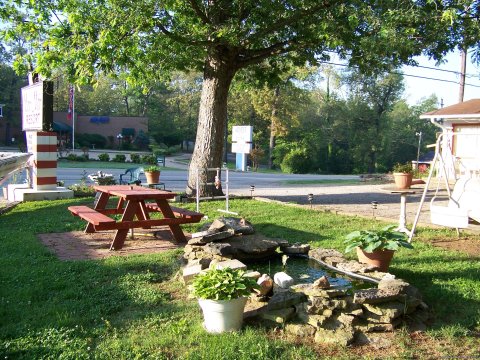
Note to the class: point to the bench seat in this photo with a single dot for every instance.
(97, 219)
(183, 213)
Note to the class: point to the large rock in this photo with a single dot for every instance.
(321, 254)
(190, 272)
(266, 285)
(211, 236)
(341, 337)
(222, 249)
(295, 249)
(399, 286)
(283, 280)
(280, 316)
(245, 247)
(282, 300)
(238, 225)
(232, 264)
(374, 296)
(301, 330)
(311, 290)
(390, 310)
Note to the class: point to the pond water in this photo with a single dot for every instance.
(305, 270)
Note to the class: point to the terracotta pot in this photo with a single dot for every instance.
(379, 258)
(153, 177)
(403, 180)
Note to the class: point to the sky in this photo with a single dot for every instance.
(418, 88)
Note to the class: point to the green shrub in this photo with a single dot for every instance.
(119, 158)
(149, 159)
(135, 158)
(88, 140)
(82, 190)
(296, 162)
(104, 157)
(75, 157)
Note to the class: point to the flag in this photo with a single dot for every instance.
(71, 95)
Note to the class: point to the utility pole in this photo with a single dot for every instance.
(463, 65)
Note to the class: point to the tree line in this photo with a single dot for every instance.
(353, 123)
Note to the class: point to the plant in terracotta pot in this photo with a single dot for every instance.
(222, 295)
(376, 247)
(403, 175)
(152, 173)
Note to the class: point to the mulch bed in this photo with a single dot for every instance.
(77, 245)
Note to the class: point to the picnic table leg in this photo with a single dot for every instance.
(100, 204)
(142, 213)
(121, 234)
(167, 212)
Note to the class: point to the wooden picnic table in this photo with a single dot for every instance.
(132, 204)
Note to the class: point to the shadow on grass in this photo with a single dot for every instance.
(285, 233)
(51, 307)
(448, 283)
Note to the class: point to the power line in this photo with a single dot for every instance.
(431, 68)
(408, 75)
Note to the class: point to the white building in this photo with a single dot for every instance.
(460, 124)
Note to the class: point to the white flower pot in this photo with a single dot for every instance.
(223, 315)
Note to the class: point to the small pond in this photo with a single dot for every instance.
(305, 270)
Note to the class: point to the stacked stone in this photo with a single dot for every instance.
(340, 315)
(228, 238)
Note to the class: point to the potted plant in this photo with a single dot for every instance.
(152, 173)
(376, 247)
(403, 175)
(222, 295)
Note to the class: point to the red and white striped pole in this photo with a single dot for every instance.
(44, 160)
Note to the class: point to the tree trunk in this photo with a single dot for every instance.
(217, 77)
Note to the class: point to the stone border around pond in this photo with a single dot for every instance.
(328, 314)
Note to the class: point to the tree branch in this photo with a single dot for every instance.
(199, 12)
(255, 56)
(288, 20)
(181, 39)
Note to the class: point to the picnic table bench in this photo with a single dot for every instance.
(131, 204)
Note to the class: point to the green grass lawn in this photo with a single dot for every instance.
(135, 307)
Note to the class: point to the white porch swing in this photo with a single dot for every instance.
(463, 204)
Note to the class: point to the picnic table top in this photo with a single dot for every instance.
(134, 192)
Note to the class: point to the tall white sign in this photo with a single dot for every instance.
(242, 137)
(32, 107)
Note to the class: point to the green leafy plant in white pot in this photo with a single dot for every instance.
(377, 247)
(222, 295)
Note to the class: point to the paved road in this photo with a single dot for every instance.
(352, 199)
(239, 182)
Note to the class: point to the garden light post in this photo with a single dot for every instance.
(374, 207)
(310, 200)
(419, 134)
(252, 189)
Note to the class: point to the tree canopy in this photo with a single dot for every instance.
(145, 39)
